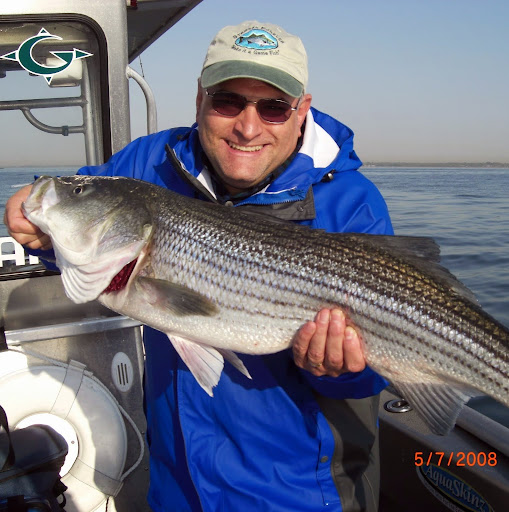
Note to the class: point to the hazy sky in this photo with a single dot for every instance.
(417, 80)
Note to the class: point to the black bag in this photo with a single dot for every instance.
(30, 460)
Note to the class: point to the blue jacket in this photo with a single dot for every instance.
(259, 445)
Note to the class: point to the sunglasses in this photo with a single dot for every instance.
(231, 104)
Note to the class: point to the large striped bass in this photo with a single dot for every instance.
(218, 281)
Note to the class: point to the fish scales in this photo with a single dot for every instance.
(302, 268)
(320, 264)
(249, 236)
(244, 259)
(219, 277)
(324, 259)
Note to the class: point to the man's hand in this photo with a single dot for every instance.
(22, 230)
(328, 346)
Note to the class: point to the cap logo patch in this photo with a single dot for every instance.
(257, 39)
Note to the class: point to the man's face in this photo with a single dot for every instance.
(245, 149)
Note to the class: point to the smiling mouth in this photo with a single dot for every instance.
(247, 149)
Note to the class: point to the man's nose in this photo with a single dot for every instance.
(248, 122)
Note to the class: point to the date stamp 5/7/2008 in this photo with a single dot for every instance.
(458, 459)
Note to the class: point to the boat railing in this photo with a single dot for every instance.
(85, 101)
(66, 329)
(149, 99)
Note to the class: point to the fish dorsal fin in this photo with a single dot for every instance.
(178, 299)
(205, 363)
(423, 253)
(438, 404)
(419, 247)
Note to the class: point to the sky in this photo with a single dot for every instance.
(417, 80)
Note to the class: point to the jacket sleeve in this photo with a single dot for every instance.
(350, 203)
(348, 385)
(137, 160)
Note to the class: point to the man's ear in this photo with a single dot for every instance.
(304, 106)
(199, 99)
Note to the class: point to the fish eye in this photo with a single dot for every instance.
(78, 190)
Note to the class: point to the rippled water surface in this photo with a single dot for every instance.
(467, 212)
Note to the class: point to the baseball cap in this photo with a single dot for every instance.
(262, 51)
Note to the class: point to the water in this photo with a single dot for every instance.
(13, 178)
(465, 210)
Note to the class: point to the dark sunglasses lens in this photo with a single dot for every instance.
(228, 104)
(274, 111)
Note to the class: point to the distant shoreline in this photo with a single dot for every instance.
(460, 165)
(42, 166)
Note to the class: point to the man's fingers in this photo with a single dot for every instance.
(42, 241)
(333, 360)
(353, 354)
(301, 343)
(31, 236)
(20, 228)
(327, 346)
(316, 348)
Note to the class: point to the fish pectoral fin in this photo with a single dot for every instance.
(178, 299)
(205, 363)
(437, 403)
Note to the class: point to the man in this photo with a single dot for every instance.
(302, 435)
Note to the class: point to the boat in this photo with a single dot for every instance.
(79, 368)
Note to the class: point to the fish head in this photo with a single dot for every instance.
(97, 226)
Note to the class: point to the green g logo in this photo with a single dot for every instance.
(23, 55)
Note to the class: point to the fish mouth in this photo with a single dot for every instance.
(42, 196)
